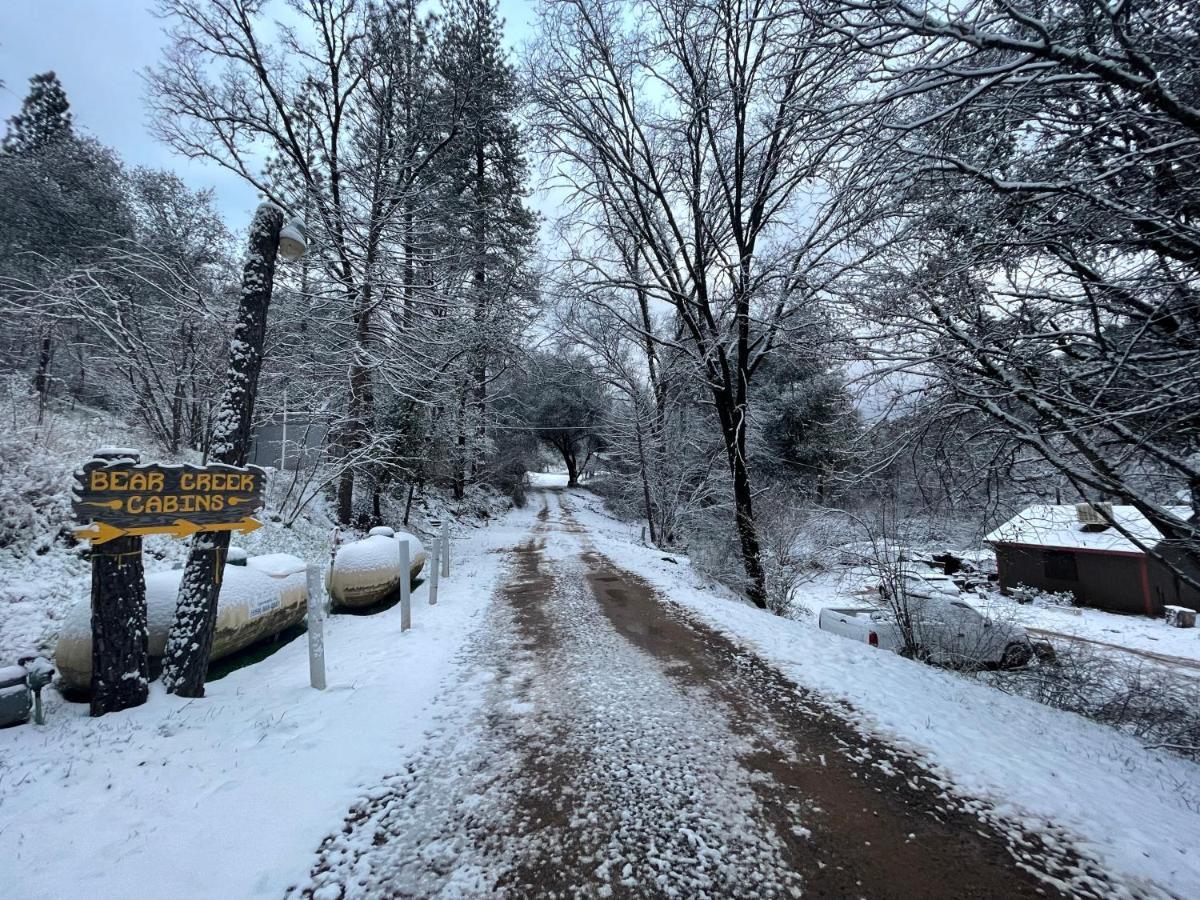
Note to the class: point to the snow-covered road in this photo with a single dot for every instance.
(601, 743)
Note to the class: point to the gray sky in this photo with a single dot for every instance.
(98, 48)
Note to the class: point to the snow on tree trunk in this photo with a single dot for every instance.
(185, 663)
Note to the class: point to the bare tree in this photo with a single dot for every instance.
(335, 100)
(1045, 268)
(700, 134)
(146, 314)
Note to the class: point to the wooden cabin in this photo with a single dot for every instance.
(1077, 549)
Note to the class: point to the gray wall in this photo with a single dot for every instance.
(305, 441)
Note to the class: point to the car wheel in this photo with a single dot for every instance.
(1045, 653)
(1016, 655)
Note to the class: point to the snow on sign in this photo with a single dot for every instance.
(118, 498)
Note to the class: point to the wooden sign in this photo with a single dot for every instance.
(120, 499)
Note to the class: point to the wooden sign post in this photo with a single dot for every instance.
(120, 665)
(119, 501)
(118, 498)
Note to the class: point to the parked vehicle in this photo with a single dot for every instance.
(927, 584)
(949, 630)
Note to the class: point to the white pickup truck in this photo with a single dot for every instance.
(949, 629)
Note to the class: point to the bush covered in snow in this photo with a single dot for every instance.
(34, 508)
(1023, 593)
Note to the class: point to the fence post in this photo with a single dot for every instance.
(405, 586)
(316, 627)
(120, 665)
(445, 551)
(433, 571)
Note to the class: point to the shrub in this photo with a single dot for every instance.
(1150, 702)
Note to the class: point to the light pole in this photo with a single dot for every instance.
(185, 661)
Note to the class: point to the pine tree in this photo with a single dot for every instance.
(488, 228)
(45, 117)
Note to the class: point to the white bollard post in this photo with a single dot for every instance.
(405, 587)
(316, 627)
(433, 572)
(445, 551)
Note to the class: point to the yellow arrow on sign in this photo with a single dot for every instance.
(245, 526)
(101, 532)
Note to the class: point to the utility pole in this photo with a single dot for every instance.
(185, 662)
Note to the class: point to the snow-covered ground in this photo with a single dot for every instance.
(1136, 632)
(548, 479)
(852, 585)
(1138, 810)
(230, 795)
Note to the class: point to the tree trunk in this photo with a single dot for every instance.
(361, 403)
(645, 480)
(41, 378)
(733, 429)
(748, 534)
(479, 400)
(185, 663)
(377, 503)
(345, 495)
(408, 503)
(460, 464)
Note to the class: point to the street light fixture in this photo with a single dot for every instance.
(293, 240)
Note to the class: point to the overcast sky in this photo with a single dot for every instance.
(99, 48)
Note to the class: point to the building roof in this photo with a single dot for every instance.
(1058, 526)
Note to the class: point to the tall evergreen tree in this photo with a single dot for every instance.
(64, 201)
(488, 228)
(45, 117)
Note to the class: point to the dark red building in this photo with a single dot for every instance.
(1070, 549)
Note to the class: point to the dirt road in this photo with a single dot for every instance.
(601, 743)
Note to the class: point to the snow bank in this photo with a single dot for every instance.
(1136, 810)
(366, 571)
(257, 601)
(1131, 631)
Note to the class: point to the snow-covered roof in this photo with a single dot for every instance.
(1058, 526)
